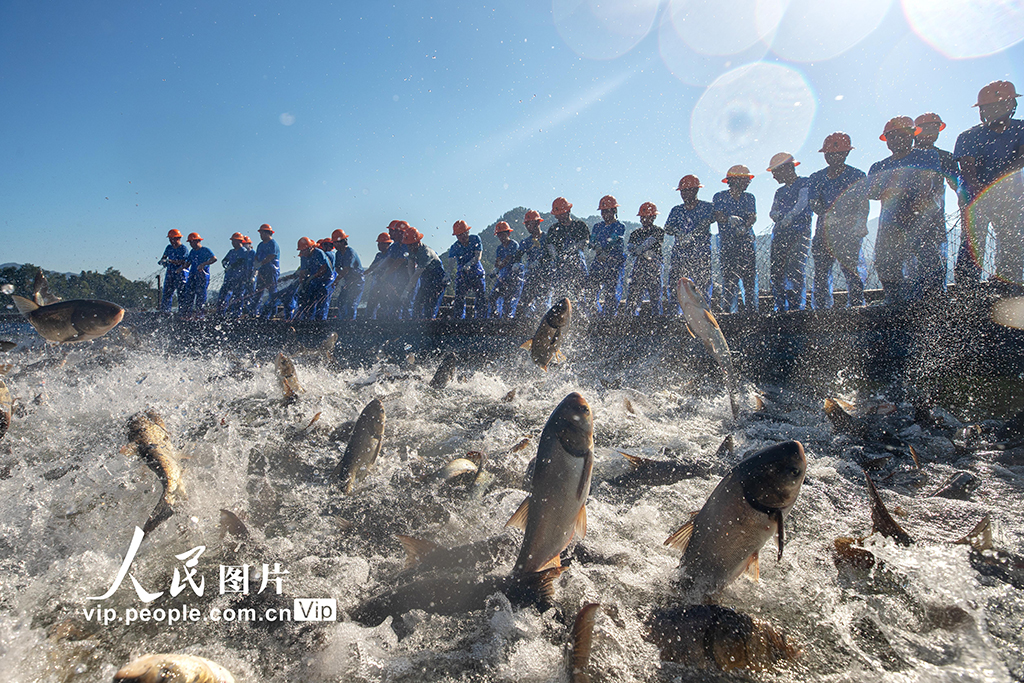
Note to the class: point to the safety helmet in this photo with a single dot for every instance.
(266, 228)
(996, 91)
(398, 226)
(607, 202)
(688, 182)
(738, 171)
(246, 239)
(194, 237)
(174, 233)
(560, 205)
(502, 226)
(305, 243)
(836, 142)
(325, 244)
(899, 123)
(412, 235)
(930, 117)
(458, 228)
(532, 215)
(237, 236)
(648, 209)
(780, 159)
(339, 235)
(384, 238)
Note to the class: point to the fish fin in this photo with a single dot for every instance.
(130, 449)
(913, 456)
(753, 569)
(776, 515)
(680, 538)
(689, 330)
(162, 511)
(554, 563)
(415, 549)
(711, 319)
(518, 520)
(635, 461)
(579, 528)
(231, 524)
(559, 357)
(980, 537)
(588, 466)
(881, 520)
(846, 405)
(24, 305)
(758, 403)
(528, 345)
(535, 588)
(726, 448)
(582, 641)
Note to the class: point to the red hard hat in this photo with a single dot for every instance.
(560, 205)
(648, 209)
(339, 235)
(688, 182)
(305, 243)
(607, 202)
(836, 142)
(174, 233)
(412, 235)
(326, 244)
(384, 238)
(194, 237)
(780, 159)
(246, 239)
(266, 228)
(899, 123)
(502, 226)
(930, 117)
(532, 215)
(738, 171)
(399, 226)
(237, 236)
(459, 227)
(996, 91)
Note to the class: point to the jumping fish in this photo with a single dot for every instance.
(445, 371)
(881, 520)
(286, 374)
(582, 642)
(547, 340)
(6, 408)
(703, 325)
(41, 290)
(169, 668)
(424, 556)
(149, 440)
(748, 506)
(70, 321)
(645, 472)
(363, 447)
(989, 560)
(959, 486)
(556, 510)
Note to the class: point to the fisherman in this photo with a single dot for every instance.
(565, 242)
(250, 274)
(267, 264)
(991, 156)
(232, 291)
(537, 286)
(391, 272)
(349, 278)
(200, 259)
(930, 125)
(426, 276)
(839, 197)
(175, 262)
(508, 274)
(690, 224)
(644, 246)
(791, 234)
(735, 211)
(607, 269)
(469, 272)
(373, 275)
(315, 275)
(905, 184)
(326, 245)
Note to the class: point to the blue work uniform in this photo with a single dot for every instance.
(372, 288)
(842, 207)
(393, 281)
(608, 268)
(313, 291)
(233, 289)
(691, 251)
(508, 281)
(198, 281)
(737, 254)
(791, 241)
(330, 254)
(266, 278)
(537, 284)
(175, 275)
(645, 245)
(565, 242)
(349, 286)
(469, 277)
(250, 278)
(432, 281)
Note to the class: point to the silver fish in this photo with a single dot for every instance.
(149, 440)
(703, 325)
(169, 668)
(364, 446)
(70, 321)
(287, 376)
(545, 344)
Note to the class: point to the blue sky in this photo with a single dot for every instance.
(123, 120)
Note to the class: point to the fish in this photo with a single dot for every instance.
(148, 439)
(991, 561)
(582, 642)
(545, 346)
(289, 379)
(702, 324)
(556, 510)
(173, 668)
(645, 472)
(70, 321)
(716, 637)
(6, 346)
(41, 290)
(363, 447)
(445, 371)
(231, 524)
(842, 421)
(959, 486)
(424, 556)
(750, 504)
(881, 520)
(6, 409)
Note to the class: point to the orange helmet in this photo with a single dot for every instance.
(174, 233)
(339, 235)
(780, 159)
(237, 236)
(996, 91)
(325, 244)
(306, 243)
(738, 171)
(836, 142)
(246, 239)
(412, 235)
(930, 117)
(607, 202)
(899, 123)
(688, 182)
(502, 226)
(194, 237)
(398, 226)
(384, 238)
(560, 205)
(266, 228)
(648, 209)
(532, 215)
(460, 227)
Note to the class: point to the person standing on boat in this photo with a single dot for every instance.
(349, 276)
(991, 156)
(267, 264)
(426, 277)
(326, 245)
(791, 234)
(232, 291)
(250, 274)
(314, 275)
(839, 197)
(200, 259)
(175, 263)
(736, 212)
(565, 242)
(537, 286)
(608, 267)
(690, 224)
(469, 271)
(644, 246)
(930, 125)
(390, 272)
(508, 274)
(905, 183)
(373, 275)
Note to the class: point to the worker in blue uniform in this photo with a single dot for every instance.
(373, 275)
(566, 240)
(469, 271)
(645, 244)
(175, 263)
(735, 211)
(348, 276)
(268, 265)
(607, 269)
(690, 224)
(314, 276)
(200, 259)
(537, 284)
(426, 277)
(508, 274)
(791, 234)
(233, 289)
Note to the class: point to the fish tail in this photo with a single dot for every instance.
(161, 512)
(535, 588)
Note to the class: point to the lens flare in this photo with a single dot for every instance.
(816, 30)
(997, 252)
(694, 68)
(603, 30)
(711, 27)
(750, 113)
(964, 29)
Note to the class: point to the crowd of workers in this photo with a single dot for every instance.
(407, 279)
